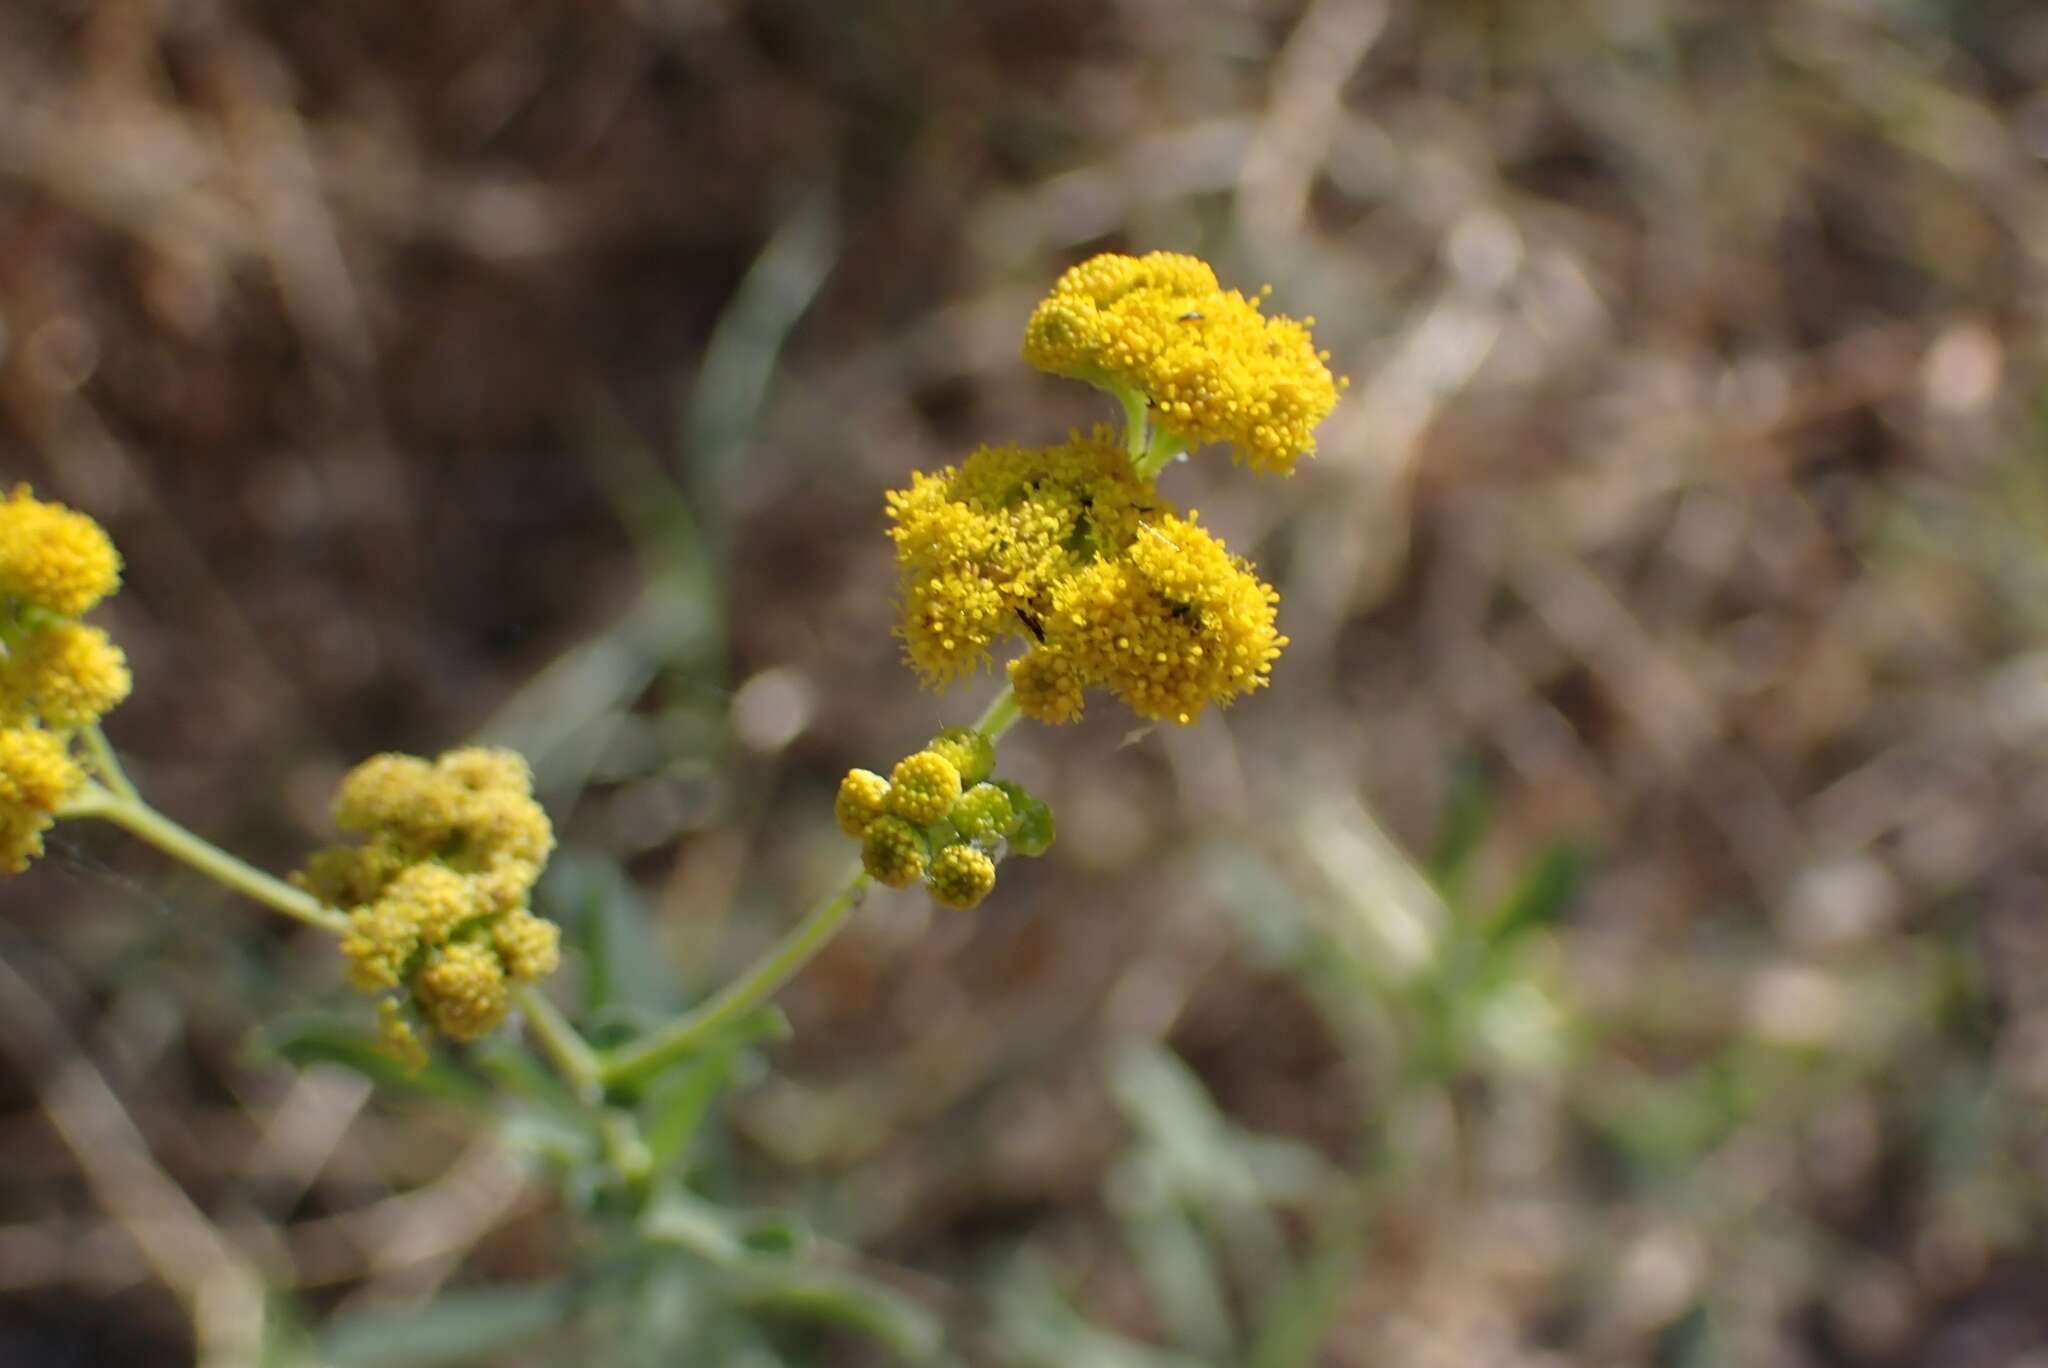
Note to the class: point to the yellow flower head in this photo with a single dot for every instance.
(36, 776)
(472, 809)
(462, 991)
(923, 788)
(862, 795)
(65, 674)
(438, 889)
(52, 558)
(1211, 367)
(892, 852)
(981, 546)
(1172, 625)
(1048, 684)
(960, 877)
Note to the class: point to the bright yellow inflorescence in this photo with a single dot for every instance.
(1071, 551)
(1209, 365)
(981, 546)
(52, 558)
(56, 674)
(1170, 626)
(1109, 586)
(437, 891)
(36, 775)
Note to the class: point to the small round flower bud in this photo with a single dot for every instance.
(863, 795)
(892, 852)
(983, 813)
(961, 877)
(923, 788)
(973, 754)
(462, 992)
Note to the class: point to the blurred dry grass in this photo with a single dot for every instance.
(540, 366)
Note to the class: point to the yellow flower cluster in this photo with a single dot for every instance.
(1209, 365)
(1172, 624)
(56, 674)
(437, 890)
(939, 818)
(982, 545)
(1065, 547)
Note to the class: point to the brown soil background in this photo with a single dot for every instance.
(535, 370)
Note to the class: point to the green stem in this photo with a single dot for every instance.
(1162, 448)
(139, 819)
(777, 966)
(564, 1046)
(999, 716)
(1137, 434)
(108, 764)
(780, 964)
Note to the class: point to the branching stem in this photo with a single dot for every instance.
(138, 818)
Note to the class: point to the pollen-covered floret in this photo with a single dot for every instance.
(893, 852)
(960, 877)
(923, 788)
(1048, 685)
(983, 813)
(1174, 624)
(530, 947)
(378, 945)
(1211, 367)
(424, 905)
(981, 547)
(862, 794)
(66, 674)
(53, 558)
(36, 776)
(462, 991)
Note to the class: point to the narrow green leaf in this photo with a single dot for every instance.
(454, 1328)
(625, 970)
(1542, 896)
(1467, 812)
(680, 1102)
(839, 1298)
(324, 1041)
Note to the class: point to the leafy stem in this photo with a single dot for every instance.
(781, 962)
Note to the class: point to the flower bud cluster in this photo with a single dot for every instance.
(940, 818)
(57, 675)
(437, 890)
